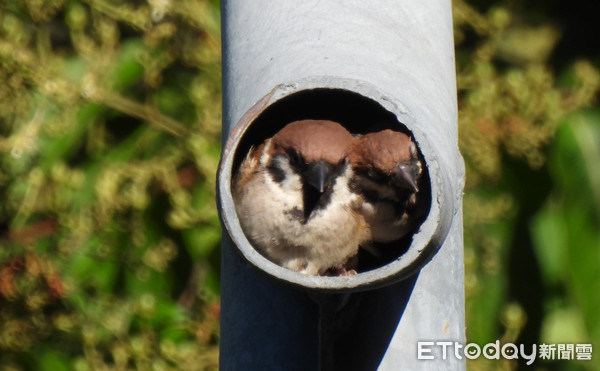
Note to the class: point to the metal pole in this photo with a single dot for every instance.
(351, 61)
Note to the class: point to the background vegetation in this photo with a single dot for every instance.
(109, 141)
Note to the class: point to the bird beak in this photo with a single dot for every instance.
(405, 177)
(317, 176)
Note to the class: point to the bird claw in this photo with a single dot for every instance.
(341, 271)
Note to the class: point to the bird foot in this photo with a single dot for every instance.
(340, 271)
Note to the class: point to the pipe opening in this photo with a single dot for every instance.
(358, 114)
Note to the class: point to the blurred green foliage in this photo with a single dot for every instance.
(530, 138)
(109, 142)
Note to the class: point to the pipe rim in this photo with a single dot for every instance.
(426, 240)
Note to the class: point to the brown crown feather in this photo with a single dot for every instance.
(382, 150)
(314, 140)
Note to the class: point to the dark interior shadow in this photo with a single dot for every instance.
(366, 325)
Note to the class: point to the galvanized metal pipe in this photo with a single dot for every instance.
(351, 61)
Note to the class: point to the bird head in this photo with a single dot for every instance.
(314, 150)
(389, 158)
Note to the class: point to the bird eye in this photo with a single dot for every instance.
(295, 159)
(340, 166)
(375, 175)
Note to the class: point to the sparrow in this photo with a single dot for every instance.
(386, 171)
(293, 199)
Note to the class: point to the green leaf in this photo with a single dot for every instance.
(568, 230)
(51, 360)
(550, 236)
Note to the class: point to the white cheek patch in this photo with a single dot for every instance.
(341, 187)
(291, 180)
